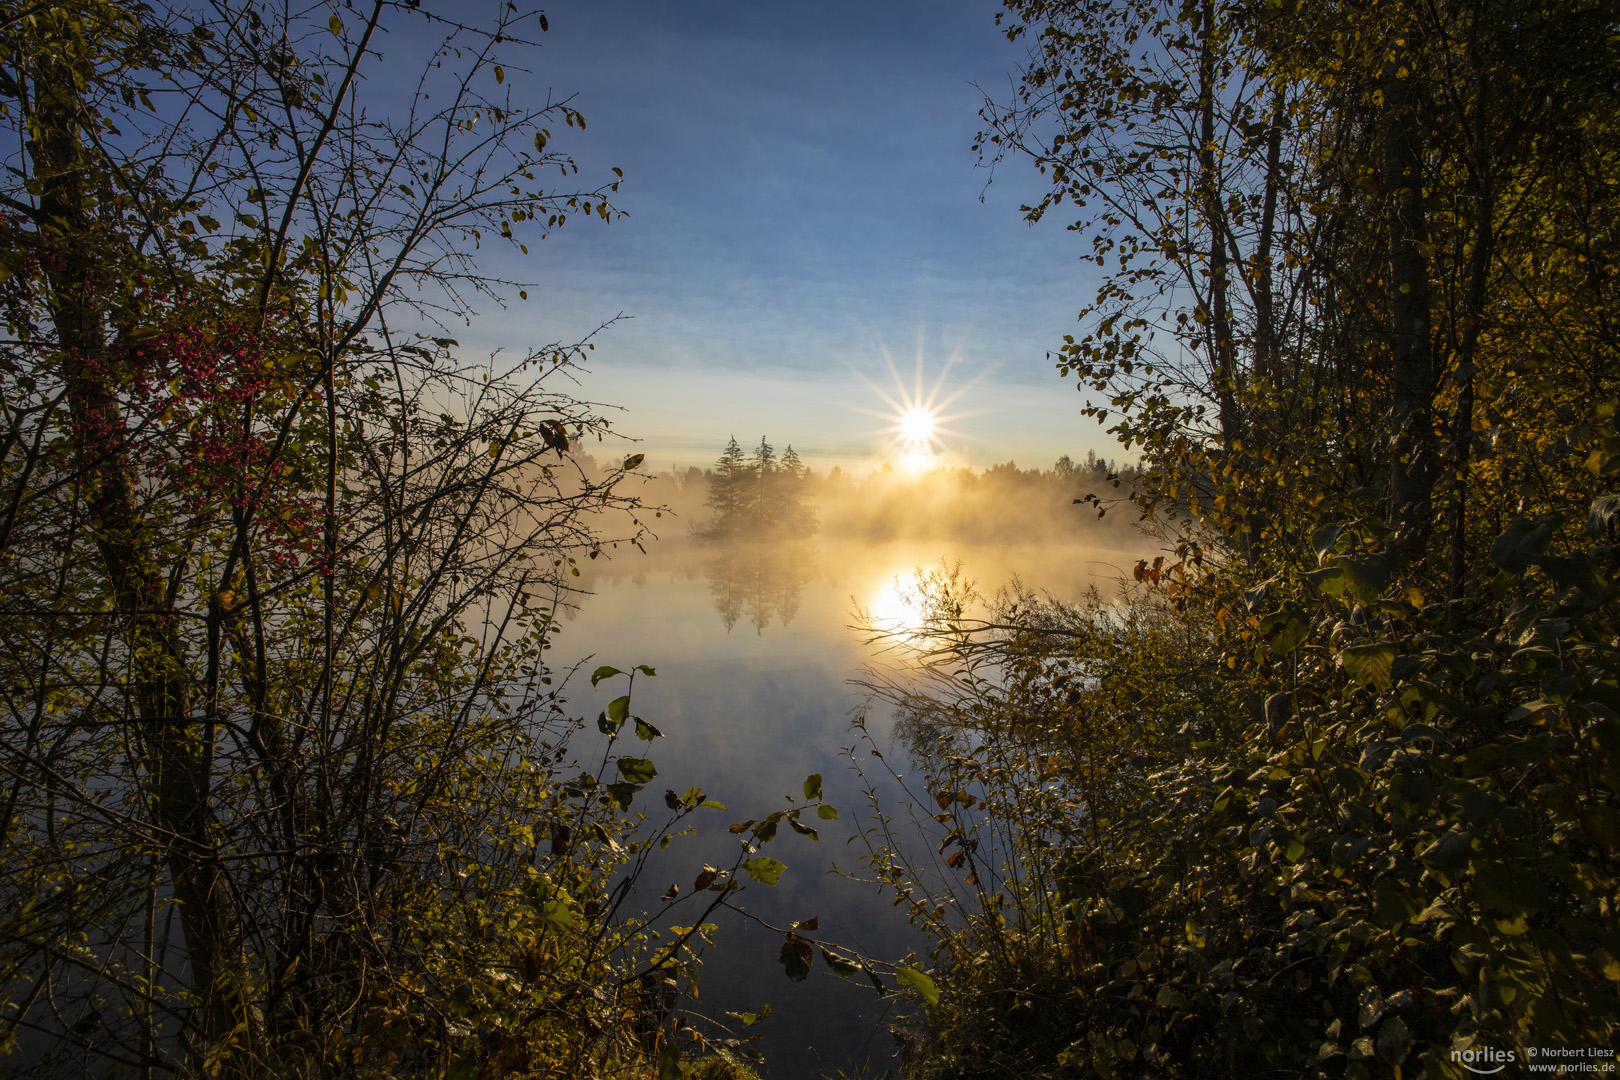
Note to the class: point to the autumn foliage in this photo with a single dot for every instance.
(1333, 788)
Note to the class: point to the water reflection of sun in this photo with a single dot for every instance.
(893, 611)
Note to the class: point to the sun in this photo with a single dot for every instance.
(917, 425)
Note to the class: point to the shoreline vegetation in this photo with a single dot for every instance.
(1332, 789)
(289, 788)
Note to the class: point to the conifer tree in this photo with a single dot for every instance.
(797, 517)
(728, 492)
(762, 509)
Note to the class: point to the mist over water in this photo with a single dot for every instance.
(753, 644)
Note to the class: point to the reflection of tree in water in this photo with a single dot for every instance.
(759, 528)
(759, 581)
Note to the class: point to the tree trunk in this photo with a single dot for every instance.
(1479, 266)
(1265, 328)
(1209, 180)
(1411, 362)
(175, 750)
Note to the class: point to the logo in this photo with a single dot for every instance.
(1479, 1059)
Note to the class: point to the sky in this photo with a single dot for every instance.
(805, 218)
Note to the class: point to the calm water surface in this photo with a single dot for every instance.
(752, 695)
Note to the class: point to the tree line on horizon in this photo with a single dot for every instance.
(758, 497)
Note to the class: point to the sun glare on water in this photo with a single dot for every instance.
(893, 612)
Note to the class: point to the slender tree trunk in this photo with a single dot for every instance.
(1222, 351)
(1473, 314)
(174, 751)
(1265, 329)
(1209, 181)
(1411, 360)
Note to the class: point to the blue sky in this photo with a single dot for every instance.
(804, 207)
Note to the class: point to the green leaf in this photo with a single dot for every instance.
(637, 770)
(1366, 578)
(796, 957)
(618, 709)
(633, 461)
(803, 830)
(1394, 1040)
(558, 914)
(1349, 847)
(465, 1067)
(500, 77)
(1392, 904)
(1510, 891)
(1369, 665)
(669, 1055)
(623, 792)
(715, 804)
(765, 870)
(335, 25)
(1450, 852)
(1325, 541)
(826, 812)
(749, 1019)
(645, 670)
(1329, 580)
(1521, 543)
(812, 787)
(912, 977)
(604, 672)
(1602, 824)
(646, 732)
(1286, 631)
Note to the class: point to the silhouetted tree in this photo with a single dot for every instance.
(762, 498)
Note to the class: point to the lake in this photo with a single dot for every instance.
(753, 693)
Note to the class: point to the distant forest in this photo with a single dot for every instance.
(760, 496)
